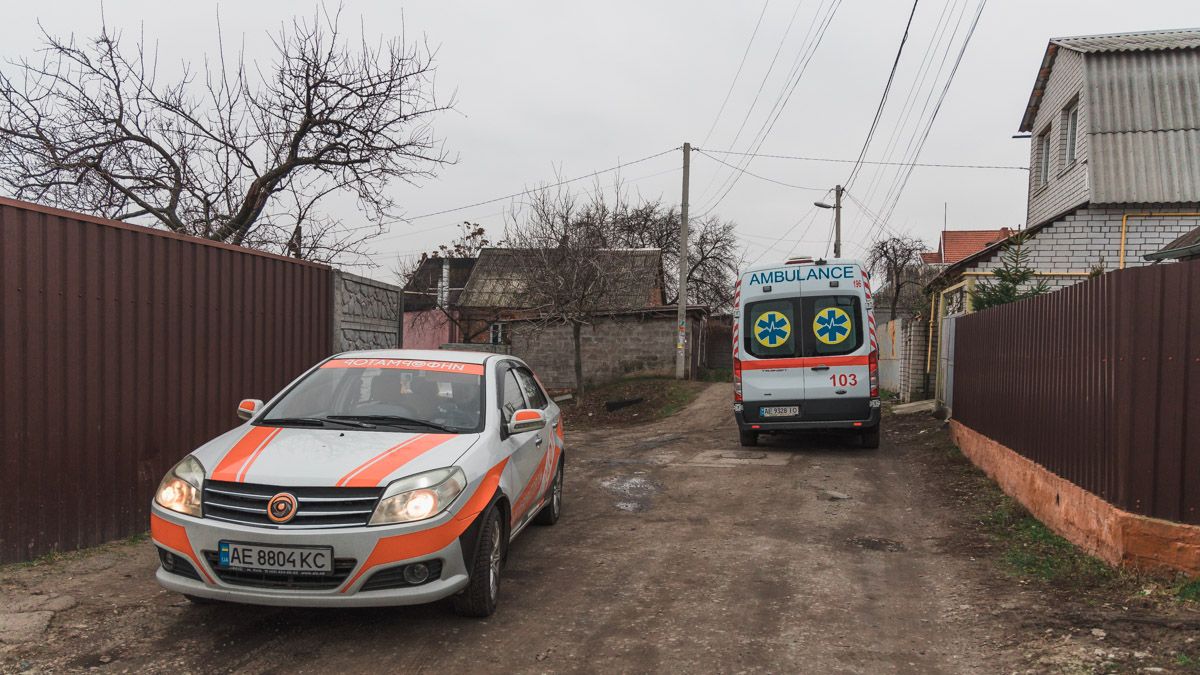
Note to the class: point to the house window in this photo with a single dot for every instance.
(496, 334)
(1070, 131)
(1044, 158)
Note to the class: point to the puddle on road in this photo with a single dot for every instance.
(634, 493)
(877, 544)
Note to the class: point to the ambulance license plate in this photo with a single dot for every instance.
(780, 411)
(275, 559)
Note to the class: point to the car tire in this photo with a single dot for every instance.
(553, 509)
(479, 598)
(870, 438)
(749, 439)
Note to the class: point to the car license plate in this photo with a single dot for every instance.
(276, 559)
(780, 411)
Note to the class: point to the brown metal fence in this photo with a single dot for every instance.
(1098, 382)
(121, 349)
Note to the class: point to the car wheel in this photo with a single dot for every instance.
(749, 439)
(478, 599)
(870, 438)
(553, 508)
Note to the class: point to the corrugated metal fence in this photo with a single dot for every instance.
(1098, 382)
(121, 349)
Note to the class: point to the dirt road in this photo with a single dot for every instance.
(678, 551)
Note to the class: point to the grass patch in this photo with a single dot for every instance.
(1032, 550)
(716, 375)
(1189, 591)
(661, 397)
(59, 556)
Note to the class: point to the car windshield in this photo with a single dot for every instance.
(385, 394)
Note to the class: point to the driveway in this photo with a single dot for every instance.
(677, 551)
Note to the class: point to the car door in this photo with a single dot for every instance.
(535, 397)
(837, 382)
(524, 449)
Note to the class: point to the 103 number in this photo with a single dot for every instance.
(843, 380)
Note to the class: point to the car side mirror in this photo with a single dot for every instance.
(528, 419)
(248, 408)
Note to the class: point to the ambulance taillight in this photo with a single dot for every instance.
(737, 380)
(873, 363)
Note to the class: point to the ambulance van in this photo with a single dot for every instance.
(805, 356)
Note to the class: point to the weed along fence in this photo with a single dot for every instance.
(121, 349)
(1084, 404)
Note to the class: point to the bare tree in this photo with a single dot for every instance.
(713, 256)
(898, 260)
(416, 277)
(571, 274)
(238, 154)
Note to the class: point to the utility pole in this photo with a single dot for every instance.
(837, 221)
(681, 338)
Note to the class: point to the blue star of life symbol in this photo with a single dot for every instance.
(773, 329)
(832, 326)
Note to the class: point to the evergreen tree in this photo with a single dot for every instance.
(1012, 281)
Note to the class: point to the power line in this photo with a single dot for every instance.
(851, 161)
(544, 187)
(737, 74)
(769, 180)
(883, 99)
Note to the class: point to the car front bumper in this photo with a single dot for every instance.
(373, 549)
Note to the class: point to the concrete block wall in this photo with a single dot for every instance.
(365, 313)
(612, 347)
(1091, 236)
(912, 352)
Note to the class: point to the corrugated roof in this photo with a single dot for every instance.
(498, 280)
(1179, 38)
(1148, 41)
(1185, 246)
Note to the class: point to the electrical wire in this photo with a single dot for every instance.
(883, 99)
(851, 161)
(769, 180)
(737, 74)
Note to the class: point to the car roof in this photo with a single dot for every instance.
(420, 355)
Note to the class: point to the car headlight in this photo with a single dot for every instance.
(179, 490)
(419, 497)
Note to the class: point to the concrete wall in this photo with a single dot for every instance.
(889, 335)
(613, 347)
(365, 313)
(1091, 236)
(913, 346)
(1067, 185)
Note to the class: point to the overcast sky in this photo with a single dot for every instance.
(566, 88)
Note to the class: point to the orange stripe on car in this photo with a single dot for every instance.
(237, 461)
(414, 544)
(175, 537)
(528, 493)
(805, 362)
(371, 472)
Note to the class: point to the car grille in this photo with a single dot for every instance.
(316, 507)
(283, 580)
(177, 564)
(393, 577)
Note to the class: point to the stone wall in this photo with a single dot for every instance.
(365, 313)
(612, 348)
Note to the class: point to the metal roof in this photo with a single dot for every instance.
(1148, 41)
(499, 279)
(1185, 246)
(1180, 38)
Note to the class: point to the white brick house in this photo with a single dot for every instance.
(1114, 155)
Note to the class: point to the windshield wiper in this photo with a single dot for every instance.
(396, 420)
(319, 421)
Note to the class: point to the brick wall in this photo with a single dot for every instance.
(912, 351)
(613, 347)
(1067, 185)
(365, 313)
(1091, 236)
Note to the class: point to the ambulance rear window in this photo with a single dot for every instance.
(832, 324)
(826, 325)
(770, 329)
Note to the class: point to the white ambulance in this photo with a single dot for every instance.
(804, 352)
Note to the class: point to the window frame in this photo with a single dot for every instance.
(1043, 158)
(1070, 133)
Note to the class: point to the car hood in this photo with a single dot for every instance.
(298, 457)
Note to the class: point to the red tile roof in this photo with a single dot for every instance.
(931, 257)
(958, 244)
